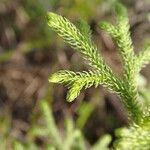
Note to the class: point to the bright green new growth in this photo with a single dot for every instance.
(100, 73)
(137, 135)
(79, 80)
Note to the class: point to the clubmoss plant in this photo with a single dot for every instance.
(137, 135)
(56, 140)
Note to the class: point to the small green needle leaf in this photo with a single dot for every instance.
(54, 79)
(108, 28)
(74, 91)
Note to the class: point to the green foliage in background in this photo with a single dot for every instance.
(70, 139)
(136, 136)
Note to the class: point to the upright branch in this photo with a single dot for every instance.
(136, 136)
(121, 35)
(80, 40)
(100, 73)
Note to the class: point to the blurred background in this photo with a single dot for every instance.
(30, 52)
